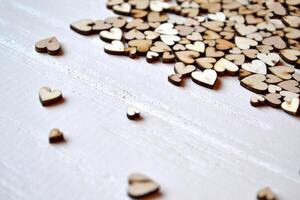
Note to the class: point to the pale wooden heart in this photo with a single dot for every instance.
(157, 17)
(112, 34)
(187, 57)
(290, 55)
(283, 72)
(223, 65)
(117, 22)
(244, 43)
(291, 107)
(273, 99)
(49, 45)
(132, 113)
(244, 30)
(270, 59)
(158, 6)
(290, 85)
(206, 78)
(274, 88)
(197, 46)
(256, 66)
(116, 47)
(257, 100)
(288, 96)
(152, 56)
(123, 9)
(140, 186)
(175, 79)
(169, 39)
(273, 79)
(168, 57)
(211, 35)
(250, 53)
(255, 83)
(134, 34)
(218, 16)
(160, 47)
(184, 70)
(275, 41)
(166, 29)
(140, 4)
(195, 36)
(142, 45)
(83, 26)
(237, 59)
(56, 136)
(211, 52)
(292, 33)
(213, 25)
(151, 35)
(205, 63)
(48, 97)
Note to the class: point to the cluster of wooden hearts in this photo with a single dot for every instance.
(257, 40)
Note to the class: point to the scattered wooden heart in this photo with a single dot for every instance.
(257, 100)
(138, 24)
(83, 26)
(292, 33)
(157, 17)
(211, 52)
(283, 72)
(273, 79)
(117, 22)
(179, 47)
(169, 39)
(244, 30)
(275, 41)
(141, 186)
(152, 56)
(211, 35)
(159, 6)
(116, 47)
(205, 62)
(197, 46)
(184, 70)
(112, 34)
(175, 79)
(237, 59)
(48, 97)
(290, 85)
(223, 65)
(151, 35)
(206, 78)
(56, 136)
(222, 44)
(270, 59)
(244, 43)
(187, 57)
(134, 34)
(49, 45)
(289, 55)
(184, 30)
(273, 99)
(133, 113)
(292, 106)
(167, 57)
(288, 96)
(243, 73)
(195, 36)
(250, 53)
(264, 48)
(166, 29)
(142, 46)
(274, 88)
(160, 47)
(213, 25)
(266, 194)
(122, 9)
(255, 83)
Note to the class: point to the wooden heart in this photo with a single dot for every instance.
(195, 36)
(134, 34)
(251, 19)
(100, 25)
(290, 55)
(273, 79)
(132, 113)
(290, 85)
(113, 34)
(159, 6)
(274, 88)
(257, 100)
(266, 26)
(211, 35)
(117, 22)
(224, 44)
(206, 78)
(184, 70)
(275, 41)
(168, 57)
(292, 21)
(141, 186)
(139, 4)
(283, 72)
(187, 57)
(255, 83)
(256, 66)
(237, 59)
(243, 73)
(292, 33)
(151, 35)
(205, 63)
(83, 26)
(244, 43)
(152, 56)
(227, 35)
(160, 47)
(255, 36)
(184, 30)
(136, 13)
(49, 45)
(273, 99)
(264, 48)
(116, 47)
(250, 53)
(270, 59)
(244, 30)
(288, 96)
(218, 16)
(138, 24)
(166, 29)
(179, 47)
(211, 52)
(56, 136)
(157, 17)
(175, 79)
(122, 9)
(223, 65)
(169, 39)
(197, 46)
(292, 106)
(277, 8)
(213, 25)
(111, 3)
(142, 45)
(48, 97)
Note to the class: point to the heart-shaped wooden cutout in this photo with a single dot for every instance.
(187, 57)
(116, 47)
(184, 70)
(237, 59)
(166, 29)
(152, 56)
(223, 65)
(244, 43)
(159, 6)
(283, 72)
(255, 83)
(257, 100)
(48, 97)
(197, 46)
(270, 59)
(83, 26)
(205, 62)
(160, 47)
(290, 55)
(134, 35)
(132, 113)
(49, 45)
(266, 194)
(141, 186)
(273, 99)
(224, 44)
(244, 30)
(175, 79)
(169, 39)
(151, 35)
(290, 85)
(207, 78)
(142, 45)
(211, 52)
(292, 107)
(139, 4)
(256, 66)
(273, 79)
(275, 41)
(112, 34)
(167, 57)
(122, 9)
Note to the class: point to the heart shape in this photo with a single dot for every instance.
(48, 97)
(290, 85)
(56, 136)
(206, 78)
(168, 57)
(175, 79)
(290, 55)
(256, 66)
(223, 65)
(224, 44)
(152, 56)
(134, 34)
(158, 6)
(275, 41)
(83, 26)
(187, 57)
(184, 70)
(122, 9)
(257, 100)
(211, 35)
(244, 30)
(273, 99)
(250, 53)
(205, 63)
(140, 186)
(132, 113)
(265, 194)
(270, 59)
(255, 83)
(195, 36)
(237, 59)
(112, 34)
(213, 25)
(151, 35)
(138, 24)
(166, 29)
(244, 43)
(49, 45)
(291, 107)
(211, 52)
(169, 39)
(274, 88)
(115, 48)
(160, 47)
(283, 72)
(139, 4)
(142, 45)
(197, 46)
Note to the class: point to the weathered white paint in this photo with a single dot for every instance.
(197, 143)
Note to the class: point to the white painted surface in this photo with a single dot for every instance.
(197, 143)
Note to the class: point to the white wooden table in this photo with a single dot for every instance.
(197, 143)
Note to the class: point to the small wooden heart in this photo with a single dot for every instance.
(257, 100)
(56, 136)
(266, 194)
(49, 45)
(141, 186)
(48, 97)
(184, 70)
(207, 78)
(175, 79)
(133, 113)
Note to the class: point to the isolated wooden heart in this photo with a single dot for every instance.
(49, 45)
(273, 99)
(290, 85)
(140, 186)
(270, 59)
(223, 65)
(244, 43)
(291, 107)
(56, 136)
(206, 78)
(116, 47)
(132, 113)
(187, 57)
(175, 79)
(112, 34)
(184, 70)
(255, 83)
(166, 29)
(48, 97)
(290, 55)
(256, 66)
(83, 26)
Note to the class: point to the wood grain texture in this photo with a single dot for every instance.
(197, 143)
